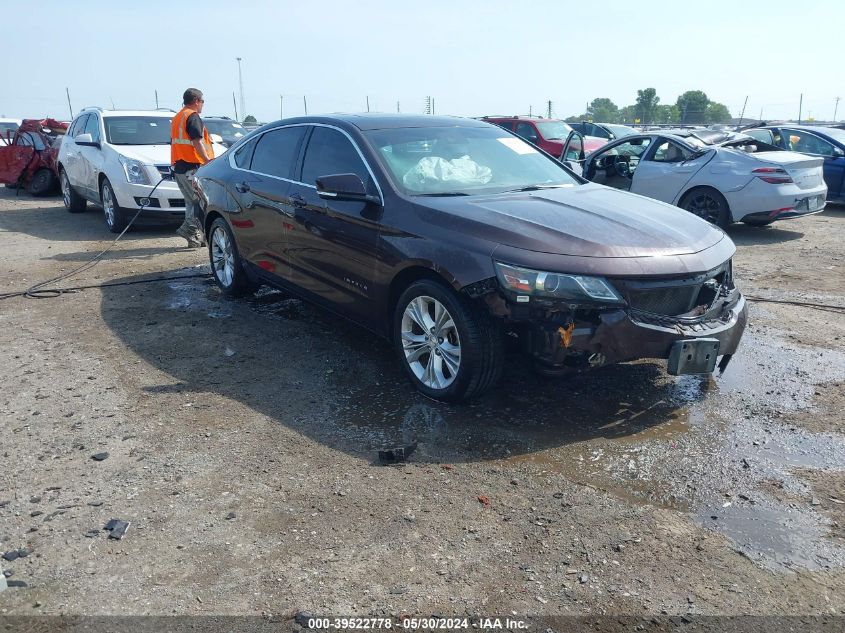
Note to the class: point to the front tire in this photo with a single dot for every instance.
(115, 216)
(43, 182)
(74, 203)
(709, 205)
(226, 264)
(451, 348)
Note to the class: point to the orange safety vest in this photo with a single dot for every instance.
(181, 145)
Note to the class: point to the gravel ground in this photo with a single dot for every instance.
(239, 439)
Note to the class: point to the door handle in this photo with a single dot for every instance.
(297, 200)
(242, 187)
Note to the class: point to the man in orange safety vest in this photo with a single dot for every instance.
(190, 147)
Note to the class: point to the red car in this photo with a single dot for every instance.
(30, 159)
(547, 134)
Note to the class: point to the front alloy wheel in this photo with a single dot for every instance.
(114, 215)
(431, 342)
(449, 345)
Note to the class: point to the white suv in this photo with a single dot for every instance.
(114, 158)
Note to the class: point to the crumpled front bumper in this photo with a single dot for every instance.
(613, 336)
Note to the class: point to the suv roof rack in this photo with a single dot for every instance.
(165, 110)
(97, 108)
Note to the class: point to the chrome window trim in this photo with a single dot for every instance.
(299, 182)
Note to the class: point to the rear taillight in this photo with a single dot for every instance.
(773, 175)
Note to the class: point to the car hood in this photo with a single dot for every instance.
(156, 154)
(149, 154)
(583, 221)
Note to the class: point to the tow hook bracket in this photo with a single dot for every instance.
(693, 356)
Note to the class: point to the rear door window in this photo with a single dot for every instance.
(277, 151)
(243, 155)
(330, 152)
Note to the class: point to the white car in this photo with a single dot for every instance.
(8, 127)
(722, 177)
(120, 160)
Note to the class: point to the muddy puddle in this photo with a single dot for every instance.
(704, 446)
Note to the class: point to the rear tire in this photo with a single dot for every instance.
(43, 182)
(226, 264)
(709, 205)
(74, 203)
(115, 216)
(450, 347)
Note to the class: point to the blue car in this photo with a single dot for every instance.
(825, 142)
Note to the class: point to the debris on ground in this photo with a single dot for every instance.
(398, 454)
(117, 528)
(99, 457)
(483, 500)
(302, 618)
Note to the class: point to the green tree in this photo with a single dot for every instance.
(603, 110)
(693, 106)
(718, 113)
(629, 114)
(647, 101)
(666, 114)
(250, 120)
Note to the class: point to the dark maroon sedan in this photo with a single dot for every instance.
(448, 235)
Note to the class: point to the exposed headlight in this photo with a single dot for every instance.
(136, 171)
(573, 288)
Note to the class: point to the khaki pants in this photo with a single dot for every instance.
(191, 228)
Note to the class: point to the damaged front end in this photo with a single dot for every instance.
(571, 323)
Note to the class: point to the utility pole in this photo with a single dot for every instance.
(428, 107)
(156, 99)
(69, 107)
(835, 109)
(549, 110)
(530, 110)
(761, 114)
(800, 107)
(281, 107)
(112, 103)
(235, 103)
(397, 108)
(305, 105)
(742, 116)
(368, 103)
(241, 84)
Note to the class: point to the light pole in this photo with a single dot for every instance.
(241, 85)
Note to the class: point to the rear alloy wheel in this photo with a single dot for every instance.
(114, 215)
(42, 183)
(708, 204)
(74, 203)
(226, 265)
(450, 347)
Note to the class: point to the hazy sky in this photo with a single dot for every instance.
(472, 57)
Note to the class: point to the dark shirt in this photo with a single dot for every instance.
(195, 127)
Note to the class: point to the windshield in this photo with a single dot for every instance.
(620, 130)
(553, 130)
(7, 127)
(463, 161)
(137, 130)
(225, 128)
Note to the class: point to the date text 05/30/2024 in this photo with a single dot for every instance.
(416, 624)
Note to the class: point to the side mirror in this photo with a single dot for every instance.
(85, 140)
(348, 187)
(216, 138)
(838, 152)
